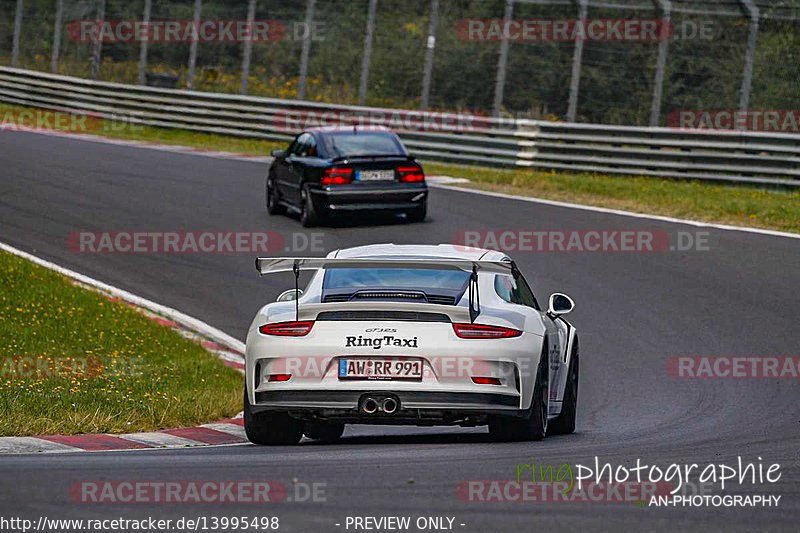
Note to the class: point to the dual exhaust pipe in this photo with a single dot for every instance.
(387, 405)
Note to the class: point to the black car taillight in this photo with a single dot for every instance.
(287, 329)
(337, 176)
(410, 173)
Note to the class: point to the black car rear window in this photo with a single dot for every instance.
(378, 278)
(351, 144)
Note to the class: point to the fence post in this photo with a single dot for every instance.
(248, 45)
(198, 6)
(301, 82)
(17, 31)
(752, 27)
(365, 60)
(661, 62)
(577, 58)
(97, 48)
(144, 43)
(430, 46)
(56, 37)
(500, 80)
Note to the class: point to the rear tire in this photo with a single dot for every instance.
(272, 200)
(533, 424)
(308, 213)
(564, 424)
(324, 431)
(270, 427)
(418, 214)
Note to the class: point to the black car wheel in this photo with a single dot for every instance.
(270, 427)
(418, 214)
(533, 424)
(565, 422)
(308, 213)
(273, 202)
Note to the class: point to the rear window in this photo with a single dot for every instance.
(351, 144)
(418, 279)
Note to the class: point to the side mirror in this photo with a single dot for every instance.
(278, 153)
(290, 295)
(559, 304)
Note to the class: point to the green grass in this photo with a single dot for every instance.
(711, 202)
(73, 361)
(726, 204)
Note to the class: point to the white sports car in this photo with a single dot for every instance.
(416, 335)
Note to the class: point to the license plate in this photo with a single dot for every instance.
(373, 175)
(379, 369)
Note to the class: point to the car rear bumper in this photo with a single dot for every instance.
(415, 407)
(373, 198)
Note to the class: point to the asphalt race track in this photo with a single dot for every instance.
(634, 312)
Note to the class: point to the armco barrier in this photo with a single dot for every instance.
(728, 156)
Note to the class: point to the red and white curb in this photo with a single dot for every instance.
(227, 348)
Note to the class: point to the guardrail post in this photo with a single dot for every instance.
(301, 82)
(430, 45)
(500, 80)
(661, 62)
(56, 37)
(248, 45)
(198, 6)
(752, 27)
(365, 60)
(144, 43)
(577, 58)
(97, 46)
(17, 31)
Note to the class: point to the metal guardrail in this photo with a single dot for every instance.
(725, 156)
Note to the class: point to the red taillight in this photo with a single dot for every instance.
(287, 329)
(279, 377)
(480, 331)
(337, 176)
(485, 381)
(410, 173)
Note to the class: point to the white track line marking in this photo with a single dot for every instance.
(660, 218)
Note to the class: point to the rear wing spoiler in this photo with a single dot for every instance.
(271, 265)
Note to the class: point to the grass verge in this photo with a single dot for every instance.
(710, 202)
(73, 361)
